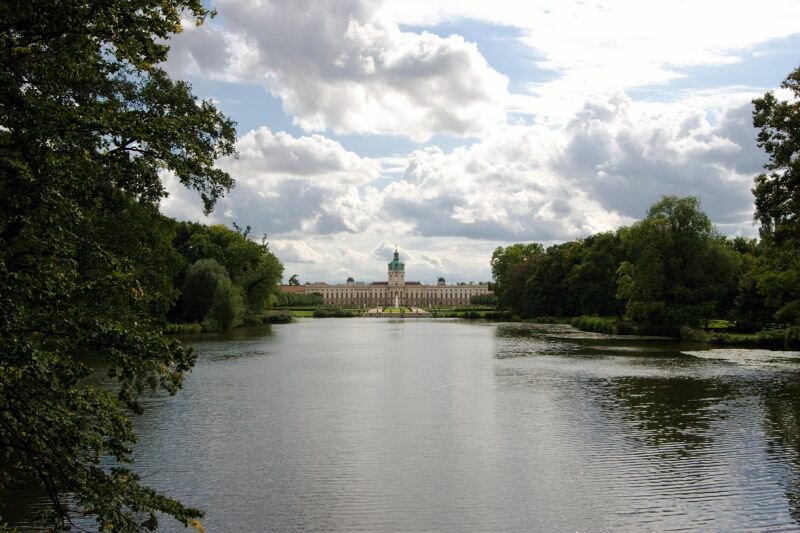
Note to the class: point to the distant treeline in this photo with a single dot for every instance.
(668, 270)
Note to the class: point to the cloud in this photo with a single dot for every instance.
(285, 184)
(332, 214)
(625, 156)
(593, 48)
(335, 64)
(521, 183)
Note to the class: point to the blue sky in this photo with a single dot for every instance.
(450, 128)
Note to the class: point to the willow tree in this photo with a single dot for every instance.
(88, 125)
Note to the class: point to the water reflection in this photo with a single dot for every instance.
(391, 425)
(670, 440)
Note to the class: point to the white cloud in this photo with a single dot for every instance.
(521, 183)
(337, 65)
(598, 47)
(583, 158)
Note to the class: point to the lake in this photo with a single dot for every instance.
(421, 425)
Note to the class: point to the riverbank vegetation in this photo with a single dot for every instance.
(669, 272)
(673, 272)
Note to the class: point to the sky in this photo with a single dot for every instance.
(449, 128)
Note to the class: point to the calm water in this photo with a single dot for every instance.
(381, 425)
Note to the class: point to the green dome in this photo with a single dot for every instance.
(396, 264)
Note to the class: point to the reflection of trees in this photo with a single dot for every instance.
(671, 414)
(781, 402)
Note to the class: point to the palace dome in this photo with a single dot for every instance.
(396, 264)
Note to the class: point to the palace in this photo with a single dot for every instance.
(396, 291)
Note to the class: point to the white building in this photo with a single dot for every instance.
(396, 291)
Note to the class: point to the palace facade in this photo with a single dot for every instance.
(396, 291)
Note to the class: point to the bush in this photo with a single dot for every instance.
(593, 323)
(497, 315)
(333, 313)
(278, 318)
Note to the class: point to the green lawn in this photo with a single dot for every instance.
(397, 310)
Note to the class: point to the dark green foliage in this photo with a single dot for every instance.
(592, 280)
(293, 299)
(508, 270)
(777, 198)
(667, 270)
(333, 313)
(209, 296)
(277, 318)
(679, 270)
(484, 299)
(87, 126)
(252, 271)
(200, 288)
(777, 192)
(594, 323)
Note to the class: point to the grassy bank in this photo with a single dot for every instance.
(783, 338)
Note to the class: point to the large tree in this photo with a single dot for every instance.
(680, 270)
(88, 125)
(777, 198)
(508, 270)
(777, 192)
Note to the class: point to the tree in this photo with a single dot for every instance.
(777, 192)
(680, 269)
(592, 282)
(546, 285)
(209, 296)
(88, 125)
(777, 199)
(507, 270)
(293, 281)
(250, 265)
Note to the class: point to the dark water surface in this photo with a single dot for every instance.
(391, 425)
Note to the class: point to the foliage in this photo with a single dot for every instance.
(680, 271)
(293, 299)
(88, 125)
(777, 192)
(227, 309)
(594, 323)
(293, 281)
(330, 313)
(777, 198)
(508, 271)
(483, 299)
(667, 270)
(253, 270)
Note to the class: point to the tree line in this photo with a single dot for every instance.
(673, 268)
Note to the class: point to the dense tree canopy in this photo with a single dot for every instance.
(777, 192)
(88, 124)
(679, 270)
(507, 270)
(777, 198)
(669, 269)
